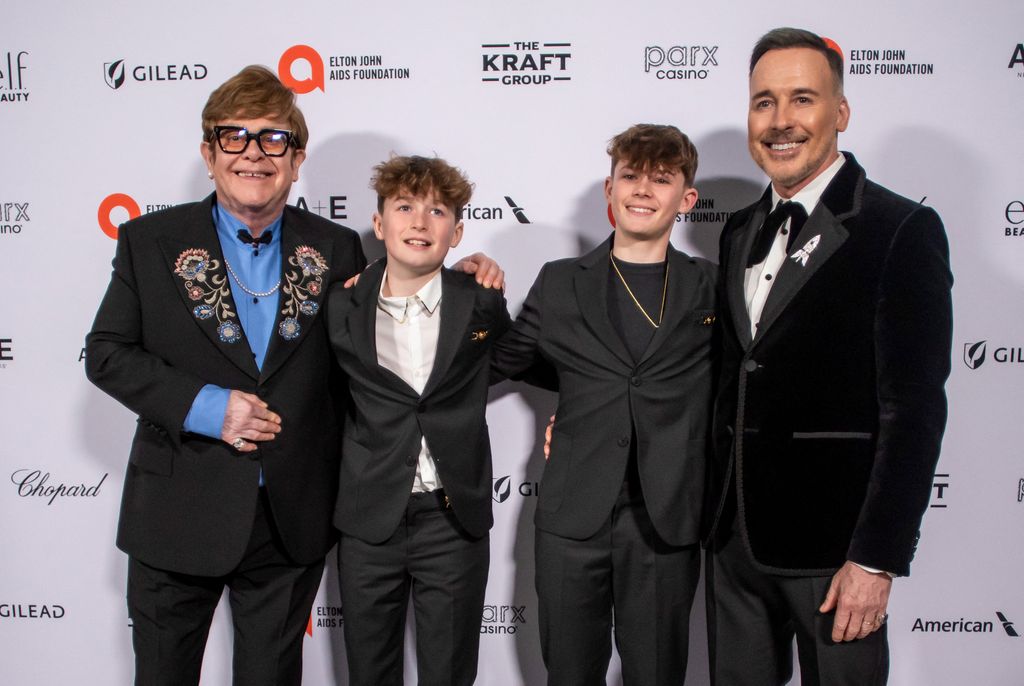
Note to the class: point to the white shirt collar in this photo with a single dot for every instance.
(809, 195)
(429, 296)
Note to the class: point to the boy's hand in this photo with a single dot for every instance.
(488, 273)
(547, 438)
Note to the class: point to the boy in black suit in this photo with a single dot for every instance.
(628, 330)
(414, 504)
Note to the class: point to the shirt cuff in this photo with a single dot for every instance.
(872, 570)
(206, 417)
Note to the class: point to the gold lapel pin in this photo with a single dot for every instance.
(478, 335)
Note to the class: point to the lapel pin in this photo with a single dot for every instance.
(804, 253)
(478, 335)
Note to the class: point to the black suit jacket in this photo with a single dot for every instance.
(607, 400)
(830, 419)
(189, 501)
(387, 418)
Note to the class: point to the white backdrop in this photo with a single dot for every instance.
(105, 98)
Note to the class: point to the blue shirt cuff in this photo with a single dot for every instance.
(206, 417)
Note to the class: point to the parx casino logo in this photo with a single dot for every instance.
(297, 60)
(502, 619)
(680, 62)
(526, 63)
(13, 65)
(13, 218)
(117, 73)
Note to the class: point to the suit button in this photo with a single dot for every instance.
(623, 441)
(751, 365)
(635, 380)
(262, 392)
(411, 460)
(421, 409)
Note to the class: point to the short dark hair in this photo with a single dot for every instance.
(787, 37)
(649, 147)
(253, 93)
(419, 176)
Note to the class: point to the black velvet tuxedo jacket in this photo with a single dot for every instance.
(189, 501)
(607, 400)
(830, 419)
(387, 418)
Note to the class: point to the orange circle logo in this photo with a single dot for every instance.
(113, 200)
(316, 67)
(833, 46)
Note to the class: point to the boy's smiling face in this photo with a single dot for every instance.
(417, 232)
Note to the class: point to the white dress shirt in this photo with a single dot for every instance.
(407, 331)
(758, 280)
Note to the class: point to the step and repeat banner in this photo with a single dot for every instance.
(100, 118)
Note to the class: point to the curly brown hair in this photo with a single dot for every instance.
(421, 176)
(648, 147)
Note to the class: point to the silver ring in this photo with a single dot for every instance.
(881, 619)
(238, 443)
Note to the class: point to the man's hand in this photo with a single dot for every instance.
(547, 438)
(859, 598)
(488, 273)
(247, 420)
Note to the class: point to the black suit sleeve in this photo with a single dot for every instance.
(517, 354)
(913, 340)
(117, 361)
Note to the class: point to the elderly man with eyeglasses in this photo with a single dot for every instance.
(211, 331)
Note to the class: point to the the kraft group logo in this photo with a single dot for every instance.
(12, 79)
(526, 63)
(680, 62)
(939, 485)
(298, 60)
(6, 352)
(116, 73)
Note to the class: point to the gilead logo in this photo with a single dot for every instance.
(108, 205)
(316, 66)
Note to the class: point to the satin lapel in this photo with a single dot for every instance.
(679, 296)
(196, 264)
(818, 240)
(362, 318)
(304, 279)
(591, 286)
(457, 300)
(739, 251)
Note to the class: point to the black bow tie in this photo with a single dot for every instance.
(263, 238)
(786, 209)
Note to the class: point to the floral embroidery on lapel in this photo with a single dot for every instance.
(210, 290)
(302, 288)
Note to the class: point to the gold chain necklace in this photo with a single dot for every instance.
(664, 292)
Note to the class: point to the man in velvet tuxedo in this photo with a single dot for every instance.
(836, 324)
(628, 330)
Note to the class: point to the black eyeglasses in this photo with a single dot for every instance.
(235, 139)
